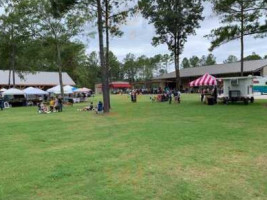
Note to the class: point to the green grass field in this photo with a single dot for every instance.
(140, 151)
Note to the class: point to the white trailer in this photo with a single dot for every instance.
(238, 89)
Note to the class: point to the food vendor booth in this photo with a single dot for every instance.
(15, 97)
(81, 94)
(115, 87)
(208, 85)
(34, 95)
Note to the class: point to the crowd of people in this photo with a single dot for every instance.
(208, 93)
(159, 96)
(169, 96)
(98, 109)
(55, 105)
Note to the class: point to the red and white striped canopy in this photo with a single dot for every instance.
(206, 80)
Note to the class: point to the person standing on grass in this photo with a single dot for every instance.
(60, 104)
(135, 96)
(56, 105)
(170, 97)
(132, 96)
(202, 95)
(1, 102)
(52, 104)
(176, 98)
(215, 94)
(179, 96)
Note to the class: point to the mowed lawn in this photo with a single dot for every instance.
(139, 151)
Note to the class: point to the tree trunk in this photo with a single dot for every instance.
(177, 71)
(9, 78)
(177, 51)
(177, 62)
(167, 65)
(13, 65)
(107, 44)
(105, 81)
(59, 63)
(12, 57)
(242, 39)
(10, 67)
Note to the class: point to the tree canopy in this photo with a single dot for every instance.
(253, 56)
(174, 21)
(231, 59)
(240, 18)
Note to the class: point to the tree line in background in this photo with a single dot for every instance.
(36, 35)
(132, 68)
(195, 61)
(42, 35)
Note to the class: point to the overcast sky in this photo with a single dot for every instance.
(138, 35)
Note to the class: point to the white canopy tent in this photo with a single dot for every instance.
(69, 89)
(56, 90)
(3, 90)
(34, 91)
(53, 89)
(13, 91)
(83, 90)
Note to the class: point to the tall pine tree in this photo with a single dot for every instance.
(241, 18)
(60, 21)
(174, 21)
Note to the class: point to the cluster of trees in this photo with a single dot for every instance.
(195, 61)
(41, 35)
(132, 68)
(253, 56)
(143, 68)
(175, 20)
(37, 34)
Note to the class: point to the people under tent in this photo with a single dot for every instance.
(208, 88)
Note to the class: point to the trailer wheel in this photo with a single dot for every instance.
(246, 101)
(252, 100)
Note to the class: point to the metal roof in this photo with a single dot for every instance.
(234, 78)
(219, 69)
(36, 78)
